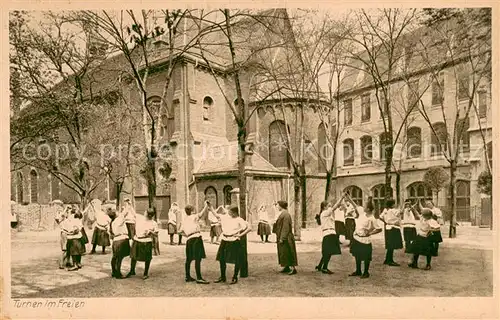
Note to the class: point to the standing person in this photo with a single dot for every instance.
(230, 250)
(435, 235)
(422, 245)
(392, 232)
(142, 247)
(215, 225)
(330, 244)
(130, 217)
(13, 217)
(100, 236)
(74, 246)
(350, 222)
(409, 220)
(120, 242)
(61, 216)
(172, 222)
(339, 214)
(361, 245)
(287, 252)
(195, 250)
(79, 216)
(264, 228)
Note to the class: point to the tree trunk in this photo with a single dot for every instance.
(453, 199)
(303, 183)
(328, 185)
(242, 184)
(398, 188)
(119, 187)
(388, 188)
(297, 207)
(151, 180)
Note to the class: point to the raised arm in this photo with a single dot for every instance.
(353, 204)
(338, 203)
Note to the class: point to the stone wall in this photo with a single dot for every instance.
(35, 217)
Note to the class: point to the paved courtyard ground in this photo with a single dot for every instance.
(464, 268)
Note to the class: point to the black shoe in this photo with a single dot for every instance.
(285, 270)
(326, 271)
(365, 275)
(202, 281)
(73, 268)
(234, 281)
(294, 271)
(386, 262)
(118, 276)
(130, 274)
(427, 267)
(144, 277)
(318, 268)
(220, 280)
(393, 264)
(355, 274)
(190, 279)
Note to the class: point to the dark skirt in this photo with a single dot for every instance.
(330, 245)
(350, 226)
(131, 230)
(121, 248)
(435, 236)
(393, 239)
(85, 238)
(172, 228)
(409, 234)
(141, 251)
(361, 251)
(195, 249)
(229, 251)
(101, 238)
(13, 224)
(421, 246)
(263, 229)
(287, 253)
(75, 247)
(340, 228)
(215, 231)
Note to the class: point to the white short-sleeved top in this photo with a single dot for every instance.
(439, 214)
(339, 215)
(425, 226)
(391, 217)
(263, 216)
(327, 222)
(409, 220)
(143, 228)
(191, 226)
(231, 227)
(364, 226)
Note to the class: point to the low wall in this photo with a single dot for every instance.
(35, 217)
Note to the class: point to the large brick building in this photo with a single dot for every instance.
(201, 134)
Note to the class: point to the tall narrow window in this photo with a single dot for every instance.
(437, 89)
(439, 138)
(348, 152)
(20, 187)
(356, 194)
(207, 108)
(278, 150)
(385, 145)
(414, 142)
(482, 104)
(227, 195)
(33, 186)
(382, 105)
(366, 149)
(365, 108)
(463, 86)
(378, 193)
(348, 112)
(413, 94)
(418, 190)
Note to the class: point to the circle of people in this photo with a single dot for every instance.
(136, 235)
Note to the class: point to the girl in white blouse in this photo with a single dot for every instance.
(230, 249)
(142, 247)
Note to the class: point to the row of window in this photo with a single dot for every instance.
(211, 195)
(19, 196)
(413, 97)
(415, 191)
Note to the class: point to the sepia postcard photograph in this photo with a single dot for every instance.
(240, 155)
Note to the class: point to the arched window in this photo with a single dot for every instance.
(208, 104)
(348, 152)
(356, 194)
(439, 138)
(211, 195)
(418, 190)
(55, 191)
(385, 145)
(366, 149)
(463, 200)
(33, 186)
(323, 154)
(20, 187)
(414, 142)
(227, 195)
(378, 194)
(278, 151)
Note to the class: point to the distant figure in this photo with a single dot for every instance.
(130, 217)
(61, 216)
(215, 225)
(13, 216)
(173, 225)
(350, 222)
(435, 235)
(264, 228)
(72, 227)
(100, 236)
(287, 252)
(422, 245)
(409, 221)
